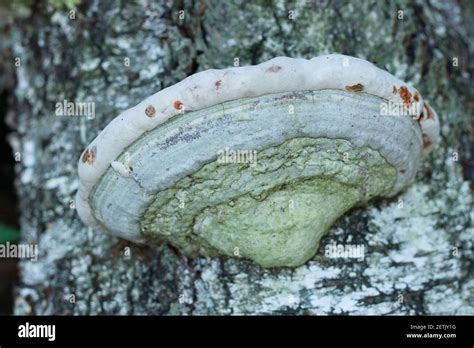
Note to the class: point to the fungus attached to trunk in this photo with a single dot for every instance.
(255, 162)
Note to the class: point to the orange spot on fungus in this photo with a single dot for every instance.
(405, 95)
(273, 69)
(150, 111)
(178, 105)
(355, 88)
(429, 112)
(89, 155)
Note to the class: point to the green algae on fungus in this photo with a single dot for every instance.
(321, 149)
(281, 207)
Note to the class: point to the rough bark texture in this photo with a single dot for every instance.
(419, 246)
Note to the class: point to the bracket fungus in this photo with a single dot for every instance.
(324, 137)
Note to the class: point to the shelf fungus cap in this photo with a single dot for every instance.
(255, 162)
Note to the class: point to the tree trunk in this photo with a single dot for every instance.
(418, 246)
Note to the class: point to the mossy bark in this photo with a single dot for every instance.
(418, 246)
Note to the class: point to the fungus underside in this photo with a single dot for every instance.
(273, 212)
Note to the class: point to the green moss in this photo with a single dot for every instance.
(274, 212)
